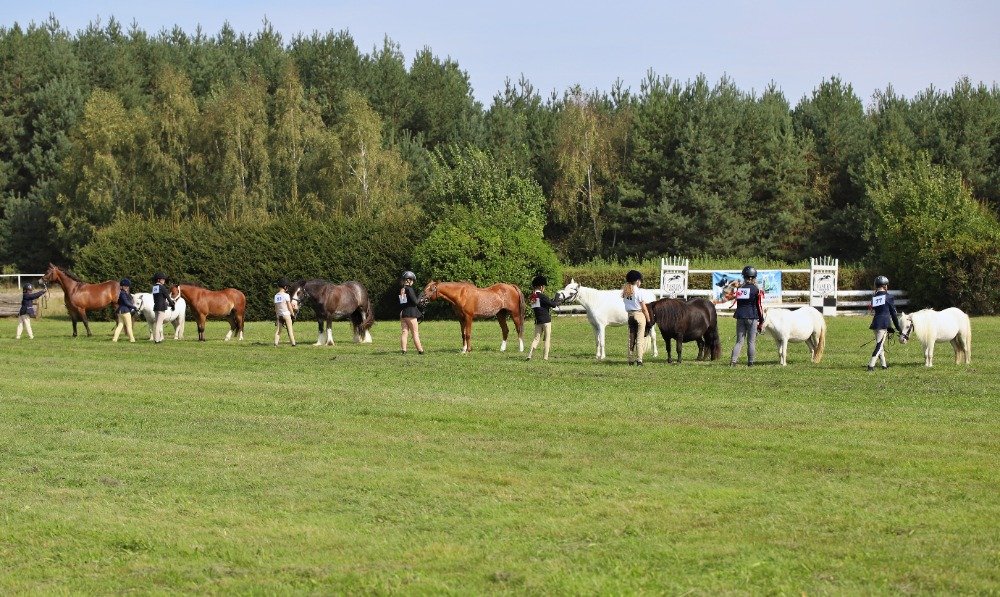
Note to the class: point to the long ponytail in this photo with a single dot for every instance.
(628, 290)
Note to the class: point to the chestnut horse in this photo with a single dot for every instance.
(336, 302)
(470, 302)
(228, 302)
(685, 321)
(80, 296)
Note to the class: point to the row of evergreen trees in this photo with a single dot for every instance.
(109, 121)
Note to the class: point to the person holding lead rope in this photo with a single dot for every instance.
(884, 308)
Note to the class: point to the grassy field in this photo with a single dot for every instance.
(225, 467)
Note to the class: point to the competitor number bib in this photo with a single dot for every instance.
(878, 301)
(743, 294)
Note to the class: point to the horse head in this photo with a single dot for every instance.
(298, 295)
(137, 301)
(906, 322)
(569, 293)
(428, 294)
(51, 275)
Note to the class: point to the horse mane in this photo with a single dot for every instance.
(69, 274)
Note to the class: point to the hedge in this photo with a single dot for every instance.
(252, 255)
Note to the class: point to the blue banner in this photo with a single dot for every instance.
(767, 280)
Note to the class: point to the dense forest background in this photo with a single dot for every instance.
(113, 122)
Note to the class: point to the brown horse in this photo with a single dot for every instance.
(686, 321)
(228, 302)
(336, 302)
(470, 302)
(80, 296)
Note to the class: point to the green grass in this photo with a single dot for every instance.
(225, 467)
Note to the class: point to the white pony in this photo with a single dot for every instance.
(604, 308)
(804, 324)
(951, 325)
(144, 305)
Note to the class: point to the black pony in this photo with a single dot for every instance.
(686, 321)
(336, 302)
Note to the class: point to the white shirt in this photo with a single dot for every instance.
(635, 303)
(281, 302)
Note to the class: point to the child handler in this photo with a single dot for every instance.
(27, 310)
(884, 308)
(541, 305)
(283, 312)
(749, 311)
(638, 315)
(125, 310)
(409, 312)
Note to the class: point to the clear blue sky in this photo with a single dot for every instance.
(910, 44)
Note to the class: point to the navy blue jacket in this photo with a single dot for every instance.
(28, 303)
(884, 312)
(125, 304)
(161, 297)
(542, 314)
(409, 308)
(751, 307)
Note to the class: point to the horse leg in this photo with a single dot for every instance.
(467, 334)
(86, 321)
(201, 327)
(232, 326)
(502, 318)
(680, 348)
(929, 354)
(319, 336)
(329, 332)
(783, 352)
(652, 340)
(72, 319)
(599, 335)
(700, 342)
(357, 318)
(239, 326)
(957, 346)
(518, 318)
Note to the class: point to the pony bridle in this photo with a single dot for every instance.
(905, 335)
(568, 296)
(296, 300)
(428, 296)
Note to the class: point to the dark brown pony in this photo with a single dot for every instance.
(686, 321)
(336, 302)
(228, 302)
(80, 296)
(470, 302)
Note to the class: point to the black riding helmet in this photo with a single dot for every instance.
(27, 287)
(749, 272)
(881, 281)
(539, 281)
(408, 275)
(126, 283)
(281, 283)
(633, 276)
(159, 276)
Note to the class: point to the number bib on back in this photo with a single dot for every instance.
(279, 298)
(402, 299)
(743, 294)
(878, 301)
(536, 303)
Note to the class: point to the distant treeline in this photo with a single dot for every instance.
(177, 126)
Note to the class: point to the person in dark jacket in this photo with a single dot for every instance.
(884, 308)
(161, 304)
(749, 316)
(409, 313)
(541, 305)
(125, 310)
(27, 310)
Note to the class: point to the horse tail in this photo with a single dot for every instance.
(714, 340)
(820, 340)
(369, 313)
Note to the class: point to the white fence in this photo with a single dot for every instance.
(824, 275)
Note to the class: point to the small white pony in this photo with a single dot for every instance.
(604, 308)
(951, 325)
(144, 305)
(804, 324)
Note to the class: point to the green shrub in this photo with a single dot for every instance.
(935, 241)
(250, 256)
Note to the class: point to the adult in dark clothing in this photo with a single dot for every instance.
(749, 316)
(884, 308)
(409, 313)
(27, 310)
(124, 311)
(161, 304)
(541, 305)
